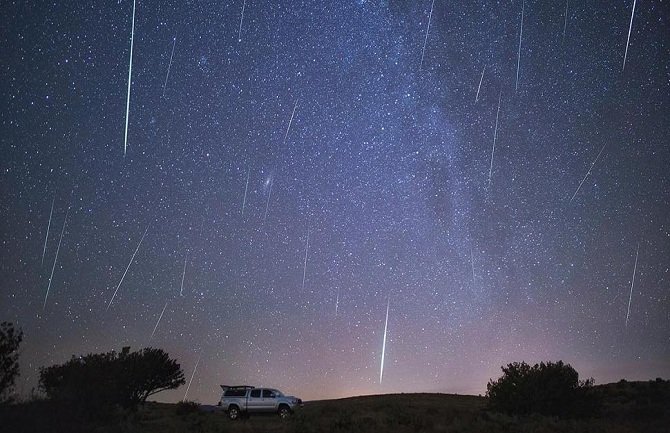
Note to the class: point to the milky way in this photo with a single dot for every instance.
(346, 145)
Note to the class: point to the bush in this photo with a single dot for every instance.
(546, 388)
(10, 339)
(97, 382)
(184, 408)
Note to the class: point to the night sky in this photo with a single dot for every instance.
(292, 168)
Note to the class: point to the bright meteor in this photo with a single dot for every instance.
(189, 382)
(130, 73)
(630, 27)
(518, 56)
(381, 369)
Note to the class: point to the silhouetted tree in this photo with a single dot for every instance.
(551, 388)
(10, 339)
(149, 371)
(99, 381)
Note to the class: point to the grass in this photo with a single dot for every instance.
(627, 407)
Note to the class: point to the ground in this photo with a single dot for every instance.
(627, 407)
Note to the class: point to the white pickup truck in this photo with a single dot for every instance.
(244, 399)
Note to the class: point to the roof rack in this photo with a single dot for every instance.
(226, 387)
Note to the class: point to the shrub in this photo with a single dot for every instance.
(184, 408)
(98, 381)
(546, 388)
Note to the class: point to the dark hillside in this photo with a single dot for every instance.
(627, 407)
(635, 400)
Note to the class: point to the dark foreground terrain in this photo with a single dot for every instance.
(626, 407)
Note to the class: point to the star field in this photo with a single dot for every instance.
(299, 168)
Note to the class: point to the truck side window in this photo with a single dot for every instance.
(268, 394)
(256, 393)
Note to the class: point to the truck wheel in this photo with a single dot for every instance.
(233, 413)
(284, 411)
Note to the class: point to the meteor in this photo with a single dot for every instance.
(159, 320)
(518, 59)
(630, 297)
(239, 35)
(337, 301)
(183, 274)
(630, 27)
(246, 188)
(267, 203)
(587, 173)
(56, 258)
(381, 369)
(128, 267)
(304, 268)
(130, 73)
(48, 227)
(565, 22)
(290, 121)
(472, 264)
(480, 84)
(495, 136)
(189, 382)
(425, 41)
(174, 41)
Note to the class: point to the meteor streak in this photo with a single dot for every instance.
(183, 274)
(495, 136)
(48, 227)
(304, 268)
(267, 203)
(381, 369)
(174, 41)
(587, 173)
(290, 121)
(130, 73)
(189, 382)
(480, 84)
(630, 297)
(337, 301)
(565, 22)
(246, 188)
(239, 35)
(425, 41)
(518, 59)
(56, 258)
(159, 320)
(630, 27)
(128, 267)
(472, 264)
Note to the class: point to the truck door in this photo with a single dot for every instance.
(269, 400)
(255, 401)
